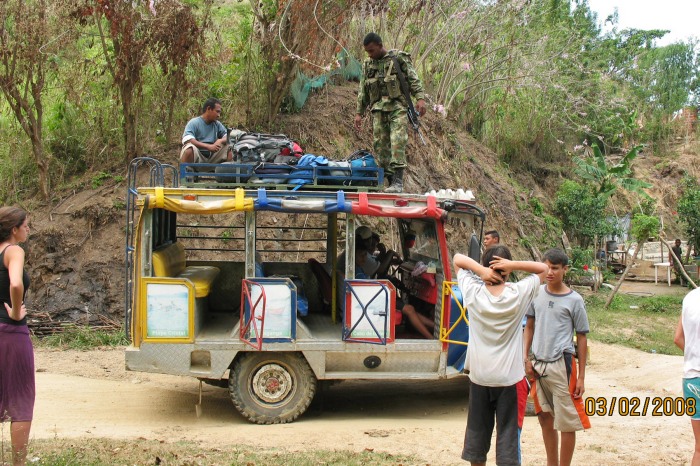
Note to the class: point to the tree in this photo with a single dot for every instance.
(689, 210)
(28, 40)
(661, 79)
(296, 35)
(131, 33)
(177, 42)
(581, 212)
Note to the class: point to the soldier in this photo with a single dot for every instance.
(381, 91)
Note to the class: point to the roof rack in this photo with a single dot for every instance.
(280, 176)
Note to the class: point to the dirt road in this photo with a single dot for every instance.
(89, 394)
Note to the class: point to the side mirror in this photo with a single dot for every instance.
(474, 248)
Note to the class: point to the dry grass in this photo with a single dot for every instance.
(101, 451)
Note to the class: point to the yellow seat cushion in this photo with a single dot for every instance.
(202, 277)
(170, 261)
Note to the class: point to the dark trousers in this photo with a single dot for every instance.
(502, 407)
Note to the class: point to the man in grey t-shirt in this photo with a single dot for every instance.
(555, 314)
(556, 317)
(205, 139)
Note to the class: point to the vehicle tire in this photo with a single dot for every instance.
(271, 388)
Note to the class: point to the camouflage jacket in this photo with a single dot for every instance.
(379, 85)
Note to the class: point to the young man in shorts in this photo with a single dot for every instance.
(555, 314)
(687, 338)
(495, 356)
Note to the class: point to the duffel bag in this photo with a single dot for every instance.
(272, 173)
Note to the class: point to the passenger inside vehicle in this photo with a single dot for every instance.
(384, 257)
(367, 266)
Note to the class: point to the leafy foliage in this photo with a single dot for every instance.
(131, 35)
(644, 227)
(27, 27)
(295, 36)
(607, 178)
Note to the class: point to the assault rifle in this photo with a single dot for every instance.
(412, 113)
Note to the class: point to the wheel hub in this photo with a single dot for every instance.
(272, 383)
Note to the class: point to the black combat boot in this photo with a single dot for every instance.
(396, 182)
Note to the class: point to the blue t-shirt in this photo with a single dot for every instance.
(202, 131)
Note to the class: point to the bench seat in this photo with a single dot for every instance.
(170, 261)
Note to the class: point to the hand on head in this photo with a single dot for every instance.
(501, 264)
(491, 276)
(501, 268)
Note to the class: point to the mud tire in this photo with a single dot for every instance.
(271, 388)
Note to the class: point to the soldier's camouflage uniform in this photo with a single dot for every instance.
(381, 91)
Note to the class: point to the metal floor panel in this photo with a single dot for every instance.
(322, 327)
(217, 326)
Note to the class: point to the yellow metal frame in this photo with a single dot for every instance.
(445, 333)
(143, 309)
(171, 199)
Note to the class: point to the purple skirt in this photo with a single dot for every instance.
(17, 387)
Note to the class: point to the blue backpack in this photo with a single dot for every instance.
(363, 159)
(354, 166)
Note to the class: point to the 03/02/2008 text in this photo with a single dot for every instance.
(640, 406)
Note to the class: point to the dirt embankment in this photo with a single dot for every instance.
(89, 394)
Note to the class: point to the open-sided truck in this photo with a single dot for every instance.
(238, 286)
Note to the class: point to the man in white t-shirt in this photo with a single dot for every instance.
(495, 356)
(687, 338)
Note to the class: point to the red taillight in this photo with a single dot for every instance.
(400, 202)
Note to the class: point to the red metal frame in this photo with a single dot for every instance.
(252, 321)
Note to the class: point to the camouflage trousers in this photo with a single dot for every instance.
(390, 138)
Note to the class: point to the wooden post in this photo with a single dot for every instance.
(596, 269)
(640, 245)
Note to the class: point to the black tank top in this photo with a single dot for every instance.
(5, 292)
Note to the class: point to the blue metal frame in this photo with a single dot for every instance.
(347, 331)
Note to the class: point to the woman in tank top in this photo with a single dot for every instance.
(17, 388)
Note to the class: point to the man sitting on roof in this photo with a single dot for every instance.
(205, 139)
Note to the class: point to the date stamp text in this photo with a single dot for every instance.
(640, 406)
